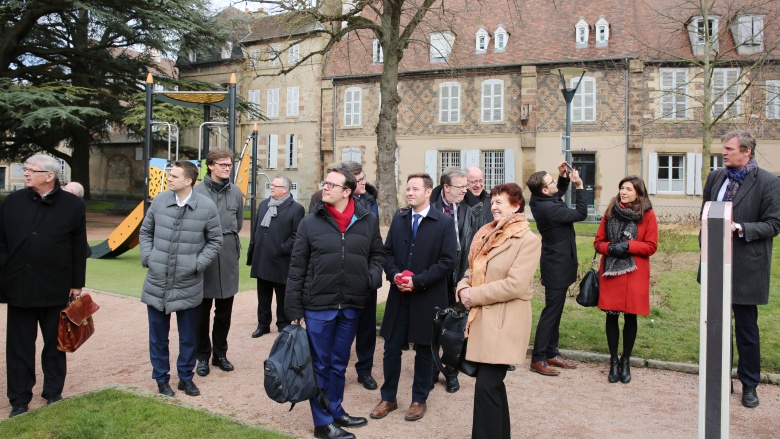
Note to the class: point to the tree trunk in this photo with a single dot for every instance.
(79, 164)
(707, 119)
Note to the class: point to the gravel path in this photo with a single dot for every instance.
(577, 404)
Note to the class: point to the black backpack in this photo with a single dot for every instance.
(289, 371)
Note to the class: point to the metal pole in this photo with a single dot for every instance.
(232, 120)
(148, 138)
(206, 118)
(253, 188)
(568, 96)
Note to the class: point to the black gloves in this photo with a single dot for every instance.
(618, 250)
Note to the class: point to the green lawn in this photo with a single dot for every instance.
(119, 414)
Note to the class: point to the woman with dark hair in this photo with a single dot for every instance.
(497, 291)
(627, 237)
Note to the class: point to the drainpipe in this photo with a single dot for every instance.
(335, 112)
(628, 114)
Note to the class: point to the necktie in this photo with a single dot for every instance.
(415, 225)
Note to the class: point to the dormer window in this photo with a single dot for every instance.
(193, 56)
(602, 33)
(227, 51)
(441, 46)
(748, 32)
(379, 56)
(501, 37)
(482, 40)
(582, 30)
(699, 29)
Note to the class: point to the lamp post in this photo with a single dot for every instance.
(568, 96)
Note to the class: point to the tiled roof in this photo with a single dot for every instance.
(279, 26)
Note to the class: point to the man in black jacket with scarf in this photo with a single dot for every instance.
(336, 261)
(555, 222)
(43, 255)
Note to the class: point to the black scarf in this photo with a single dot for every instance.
(736, 177)
(621, 227)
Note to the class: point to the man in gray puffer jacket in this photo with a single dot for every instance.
(180, 236)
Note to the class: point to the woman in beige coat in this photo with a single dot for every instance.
(497, 291)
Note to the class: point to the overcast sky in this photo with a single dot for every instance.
(218, 5)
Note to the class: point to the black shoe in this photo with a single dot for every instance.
(350, 421)
(614, 370)
(260, 331)
(189, 388)
(165, 389)
(625, 370)
(54, 398)
(367, 381)
(749, 397)
(511, 368)
(452, 384)
(202, 369)
(223, 363)
(332, 431)
(18, 409)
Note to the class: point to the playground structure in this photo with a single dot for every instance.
(126, 235)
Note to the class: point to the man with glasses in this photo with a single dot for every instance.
(220, 280)
(337, 259)
(555, 222)
(478, 197)
(278, 217)
(453, 189)
(43, 242)
(179, 237)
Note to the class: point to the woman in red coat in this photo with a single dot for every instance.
(627, 237)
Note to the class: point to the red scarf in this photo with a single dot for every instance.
(343, 219)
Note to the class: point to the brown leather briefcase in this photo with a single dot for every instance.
(76, 325)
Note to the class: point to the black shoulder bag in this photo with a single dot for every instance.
(449, 327)
(589, 286)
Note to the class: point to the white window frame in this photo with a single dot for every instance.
(378, 56)
(254, 58)
(492, 108)
(193, 56)
(449, 102)
(272, 151)
(584, 101)
(716, 162)
(226, 51)
(500, 38)
(294, 54)
(602, 33)
(751, 30)
(699, 28)
(673, 84)
(726, 91)
(352, 155)
(447, 159)
(254, 97)
(273, 56)
(353, 100)
(293, 100)
(494, 166)
(441, 46)
(272, 105)
(773, 99)
(481, 41)
(291, 151)
(669, 166)
(581, 33)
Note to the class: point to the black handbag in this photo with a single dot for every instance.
(589, 286)
(449, 327)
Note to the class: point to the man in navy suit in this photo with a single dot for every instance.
(422, 241)
(755, 194)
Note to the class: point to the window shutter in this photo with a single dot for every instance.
(431, 159)
(348, 108)
(486, 100)
(773, 99)
(758, 30)
(690, 173)
(455, 103)
(652, 173)
(444, 95)
(718, 85)
(463, 158)
(273, 150)
(292, 101)
(509, 165)
(697, 183)
(472, 158)
(733, 90)
(745, 30)
(589, 95)
(667, 94)
(498, 102)
(681, 98)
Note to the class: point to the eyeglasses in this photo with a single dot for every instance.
(551, 182)
(458, 187)
(273, 186)
(35, 171)
(225, 165)
(362, 181)
(477, 181)
(329, 185)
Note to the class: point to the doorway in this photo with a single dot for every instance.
(586, 165)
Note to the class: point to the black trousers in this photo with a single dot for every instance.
(391, 362)
(265, 295)
(491, 408)
(748, 344)
(20, 353)
(223, 311)
(365, 338)
(548, 328)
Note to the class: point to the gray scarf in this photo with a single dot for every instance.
(621, 227)
(271, 212)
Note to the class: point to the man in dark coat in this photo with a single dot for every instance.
(421, 241)
(555, 222)
(336, 261)
(220, 280)
(478, 197)
(277, 221)
(755, 194)
(43, 261)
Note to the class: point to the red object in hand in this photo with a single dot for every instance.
(404, 277)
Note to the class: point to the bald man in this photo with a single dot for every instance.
(74, 188)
